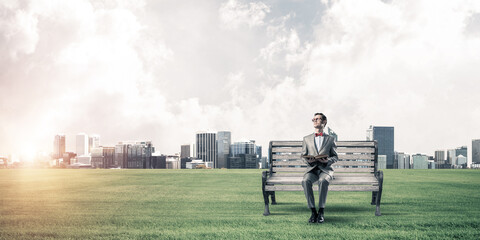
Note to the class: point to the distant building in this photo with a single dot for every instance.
(382, 162)
(463, 151)
(93, 142)
(476, 151)
(134, 154)
(385, 139)
(82, 144)
(451, 157)
(245, 147)
(173, 162)
(264, 163)
(440, 157)
(431, 164)
(206, 144)
(236, 163)
(58, 146)
(159, 162)
(461, 161)
(402, 160)
(84, 159)
(184, 161)
(185, 151)
(67, 158)
(103, 157)
(420, 161)
(224, 140)
(194, 163)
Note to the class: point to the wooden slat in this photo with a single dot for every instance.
(338, 163)
(355, 144)
(286, 143)
(302, 169)
(287, 169)
(355, 150)
(286, 149)
(340, 156)
(353, 170)
(336, 180)
(286, 156)
(354, 163)
(356, 156)
(336, 174)
(353, 188)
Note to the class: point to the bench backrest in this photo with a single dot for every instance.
(353, 157)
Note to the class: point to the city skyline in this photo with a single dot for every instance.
(163, 70)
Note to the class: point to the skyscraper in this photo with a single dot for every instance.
(206, 146)
(185, 151)
(93, 142)
(420, 161)
(82, 144)
(385, 139)
(475, 150)
(59, 146)
(440, 157)
(224, 139)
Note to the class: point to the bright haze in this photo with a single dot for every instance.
(163, 70)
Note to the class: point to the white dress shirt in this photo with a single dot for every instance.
(318, 142)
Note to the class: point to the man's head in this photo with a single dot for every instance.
(319, 120)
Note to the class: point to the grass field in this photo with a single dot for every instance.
(228, 204)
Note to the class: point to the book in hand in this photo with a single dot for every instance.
(315, 159)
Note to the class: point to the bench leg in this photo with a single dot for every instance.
(265, 194)
(374, 198)
(379, 193)
(272, 194)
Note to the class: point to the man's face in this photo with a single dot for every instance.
(317, 121)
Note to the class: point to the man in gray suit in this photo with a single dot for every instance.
(318, 143)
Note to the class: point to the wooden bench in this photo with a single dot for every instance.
(355, 170)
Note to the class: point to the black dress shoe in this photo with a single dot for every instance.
(320, 218)
(313, 218)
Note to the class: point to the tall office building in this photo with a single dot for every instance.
(440, 157)
(461, 151)
(403, 160)
(451, 158)
(206, 146)
(93, 142)
(475, 150)
(224, 140)
(185, 151)
(385, 139)
(245, 147)
(420, 161)
(59, 146)
(82, 144)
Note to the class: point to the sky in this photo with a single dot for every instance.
(164, 70)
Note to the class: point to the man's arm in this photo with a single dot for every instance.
(305, 152)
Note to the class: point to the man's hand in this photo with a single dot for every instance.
(323, 160)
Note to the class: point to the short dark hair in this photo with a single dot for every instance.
(321, 114)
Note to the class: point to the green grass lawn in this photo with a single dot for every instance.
(228, 204)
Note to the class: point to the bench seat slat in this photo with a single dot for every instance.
(338, 163)
(336, 174)
(336, 181)
(353, 188)
(277, 169)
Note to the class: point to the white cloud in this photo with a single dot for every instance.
(162, 71)
(233, 14)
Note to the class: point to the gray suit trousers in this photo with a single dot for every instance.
(323, 182)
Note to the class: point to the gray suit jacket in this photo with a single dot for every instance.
(328, 147)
